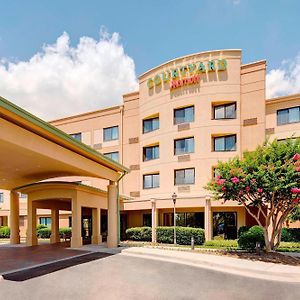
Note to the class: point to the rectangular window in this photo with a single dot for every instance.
(184, 115)
(150, 125)
(184, 176)
(225, 143)
(110, 133)
(76, 136)
(225, 111)
(150, 153)
(113, 155)
(147, 220)
(288, 115)
(1, 197)
(151, 181)
(182, 146)
(45, 221)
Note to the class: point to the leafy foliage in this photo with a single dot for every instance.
(267, 179)
(248, 239)
(4, 232)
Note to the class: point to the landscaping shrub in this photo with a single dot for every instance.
(44, 233)
(139, 234)
(249, 238)
(290, 235)
(41, 226)
(165, 234)
(67, 231)
(221, 244)
(4, 232)
(242, 230)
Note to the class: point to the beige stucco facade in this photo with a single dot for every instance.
(206, 81)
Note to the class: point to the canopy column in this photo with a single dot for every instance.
(14, 218)
(55, 238)
(112, 195)
(76, 239)
(31, 223)
(96, 217)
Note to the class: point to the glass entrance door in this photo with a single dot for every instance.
(86, 229)
(225, 224)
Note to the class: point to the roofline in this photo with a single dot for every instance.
(258, 62)
(38, 126)
(282, 98)
(187, 56)
(86, 113)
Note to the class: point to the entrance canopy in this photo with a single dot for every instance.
(32, 150)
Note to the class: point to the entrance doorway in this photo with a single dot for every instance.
(225, 224)
(86, 225)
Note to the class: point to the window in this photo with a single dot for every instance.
(112, 155)
(76, 136)
(225, 111)
(185, 176)
(45, 221)
(151, 181)
(147, 220)
(225, 225)
(188, 219)
(150, 153)
(1, 197)
(288, 115)
(110, 133)
(184, 115)
(185, 145)
(225, 143)
(150, 125)
(215, 172)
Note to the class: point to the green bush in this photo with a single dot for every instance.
(221, 244)
(242, 230)
(67, 231)
(249, 238)
(41, 226)
(290, 235)
(4, 232)
(139, 234)
(184, 235)
(44, 233)
(165, 234)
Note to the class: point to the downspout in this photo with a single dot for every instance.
(118, 206)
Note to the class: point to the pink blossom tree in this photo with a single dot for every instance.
(267, 179)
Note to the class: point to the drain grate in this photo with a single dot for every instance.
(53, 267)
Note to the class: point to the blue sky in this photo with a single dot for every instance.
(152, 32)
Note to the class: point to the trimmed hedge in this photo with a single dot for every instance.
(4, 232)
(242, 230)
(248, 239)
(44, 233)
(165, 234)
(290, 235)
(67, 231)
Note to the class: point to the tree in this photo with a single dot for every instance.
(295, 214)
(267, 179)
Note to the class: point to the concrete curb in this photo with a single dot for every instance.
(231, 265)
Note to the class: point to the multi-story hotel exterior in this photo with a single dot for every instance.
(187, 114)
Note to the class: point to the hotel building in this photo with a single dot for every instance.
(187, 114)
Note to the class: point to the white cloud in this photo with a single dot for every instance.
(285, 80)
(62, 80)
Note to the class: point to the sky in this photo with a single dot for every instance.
(66, 57)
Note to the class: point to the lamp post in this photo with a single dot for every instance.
(174, 197)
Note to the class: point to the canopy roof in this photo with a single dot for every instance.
(32, 150)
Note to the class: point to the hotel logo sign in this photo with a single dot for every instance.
(187, 75)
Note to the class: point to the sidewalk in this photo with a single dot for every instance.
(256, 269)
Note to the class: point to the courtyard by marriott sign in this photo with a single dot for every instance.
(186, 75)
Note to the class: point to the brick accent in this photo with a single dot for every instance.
(270, 130)
(184, 126)
(134, 167)
(135, 194)
(184, 189)
(186, 157)
(133, 140)
(249, 122)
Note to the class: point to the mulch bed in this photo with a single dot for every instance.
(273, 257)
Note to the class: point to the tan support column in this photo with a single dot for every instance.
(14, 218)
(112, 212)
(76, 239)
(154, 220)
(31, 239)
(54, 226)
(96, 237)
(208, 219)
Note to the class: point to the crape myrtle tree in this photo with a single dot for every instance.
(267, 179)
